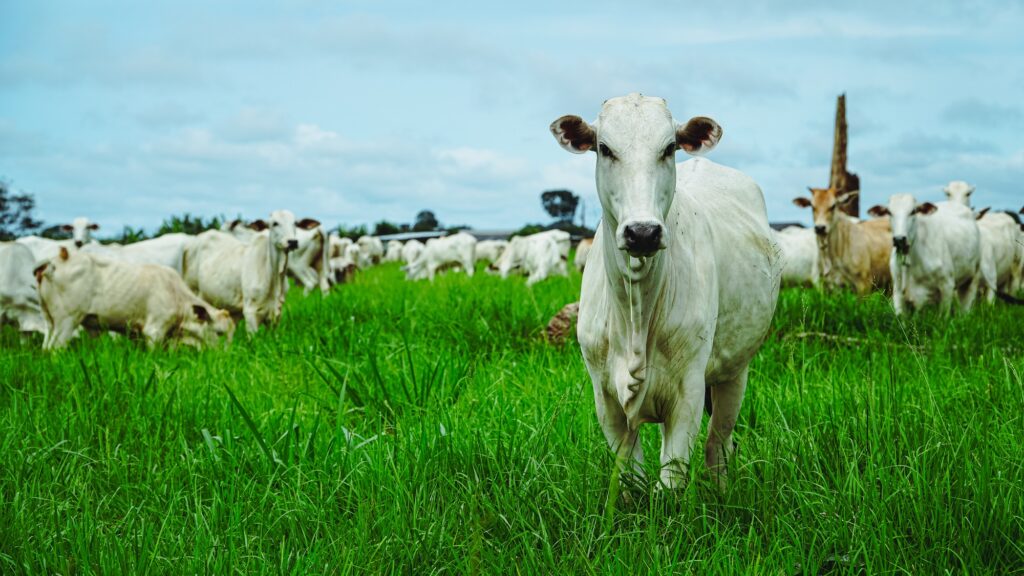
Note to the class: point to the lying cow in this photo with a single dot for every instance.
(457, 249)
(936, 253)
(79, 289)
(537, 255)
(19, 298)
(681, 284)
(247, 279)
(799, 249)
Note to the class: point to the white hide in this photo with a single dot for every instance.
(167, 250)
(537, 255)
(799, 248)
(582, 251)
(942, 257)
(371, 250)
(667, 315)
(248, 279)
(1002, 256)
(411, 251)
(44, 249)
(490, 250)
(309, 264)
(19, 299)
(459, 248)
(77, 288)
(81, 230)
(393, 252)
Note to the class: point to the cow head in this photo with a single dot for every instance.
(959, 192)
(636, 139)
(208, 325)
(81, 230)
(281, 227)
(903, 211)
(826, 203)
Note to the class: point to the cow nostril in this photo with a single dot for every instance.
(293, 244)
(643, 238)
(78, 243)
(819, 230)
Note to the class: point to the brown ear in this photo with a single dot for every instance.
(235, 224)
(699, 136)
(802, 202)
(308, 223)
(574, 134)
(925, 209)
(39, 271)
(878, 211)
(63, 253)
(67, 228)
(258, 225)
(981, 213)
(93, 226)
(201, 312)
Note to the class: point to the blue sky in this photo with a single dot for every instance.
(351, 112)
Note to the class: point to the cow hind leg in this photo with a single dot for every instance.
(727, 398)
(967, 293)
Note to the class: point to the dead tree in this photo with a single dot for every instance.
(840, 179)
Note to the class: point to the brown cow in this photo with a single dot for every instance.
(853, 252)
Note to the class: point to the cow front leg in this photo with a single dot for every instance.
(252, 319)
(727, 398)
(679, 431)
(624, 442)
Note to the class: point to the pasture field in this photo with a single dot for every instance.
(397, 427)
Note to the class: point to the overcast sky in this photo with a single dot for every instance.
(353, 112)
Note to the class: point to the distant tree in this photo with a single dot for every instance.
(353, 233)
(426, 221)
(456, 228)
(16, 213)
(560, 204)
(384, 227)
(130, 235)
(188, 224)
(529, 229)
(55, 232)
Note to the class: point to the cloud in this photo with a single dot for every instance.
(982, 115)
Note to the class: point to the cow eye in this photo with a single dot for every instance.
(605, 151)
(273, 223)
(670, 151)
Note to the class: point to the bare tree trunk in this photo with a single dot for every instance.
(841, 180)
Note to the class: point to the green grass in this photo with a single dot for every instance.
(415, 428)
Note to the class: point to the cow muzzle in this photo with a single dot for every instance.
(820, 230)
(901, 245)
(79, 243)
(641, 239)
(292, 245)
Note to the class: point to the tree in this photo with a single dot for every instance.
(560, 204)
(16, 213)
(425, 222)
(188, 224)
(384, 227)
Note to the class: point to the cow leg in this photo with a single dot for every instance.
(252, 318)
(679, 431)
(62, 332)
(727, 398)
(967, 293)
(623, 441)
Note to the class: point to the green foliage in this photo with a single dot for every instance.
(560, 204)
(425, 222)
(529, 229)
(354, 232)
(130, 235)
(16, 213)
(397, 427)
(188, 224)
(384, 227)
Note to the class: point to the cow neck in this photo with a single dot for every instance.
(838, 239)
(277, 261)
(635, 285)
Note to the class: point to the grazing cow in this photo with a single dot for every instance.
(490, 250)
(309, 263)
(19, 298)
(457, 249)
(167, 250)
(411, 251)
(582, 251)
(84, 289)
(680, 286)
(936, 252)
(247, 279)
(1002, 259)
(511, 260)
(856, 252)
(537, 255)
(371, 250)
(393, 252)
(799, 248)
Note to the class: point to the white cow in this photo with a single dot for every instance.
(512, 260)
(490, 250)
(936, 253)
(582, 251)
(78, 288)
(309, 264)
(681, 284)
(371, 250)
(238, 229)
(411, 251)
(799, 247)
(537, 255)
(19, 299)
(458, 249)
(1002, 259)
(44, 249)
(393, 252)
(247, 279)
(167, 250)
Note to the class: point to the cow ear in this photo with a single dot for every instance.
(700, 135)
(981, 213)
(878, 211)
(67, 228)
(925, 209)
(847, 197)
(38, 272)
(63, 255)
(234, 224)
(308, 223)
(258, 225)
(93, 226)
(802, 202)
(574, 134)
(201, 312)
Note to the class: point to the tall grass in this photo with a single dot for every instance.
(428, 428)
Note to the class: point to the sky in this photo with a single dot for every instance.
(353, 112)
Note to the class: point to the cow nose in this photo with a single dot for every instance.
(819, 230)
(900, 244)
(642, 238)
(78, 243)
(293, 244)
